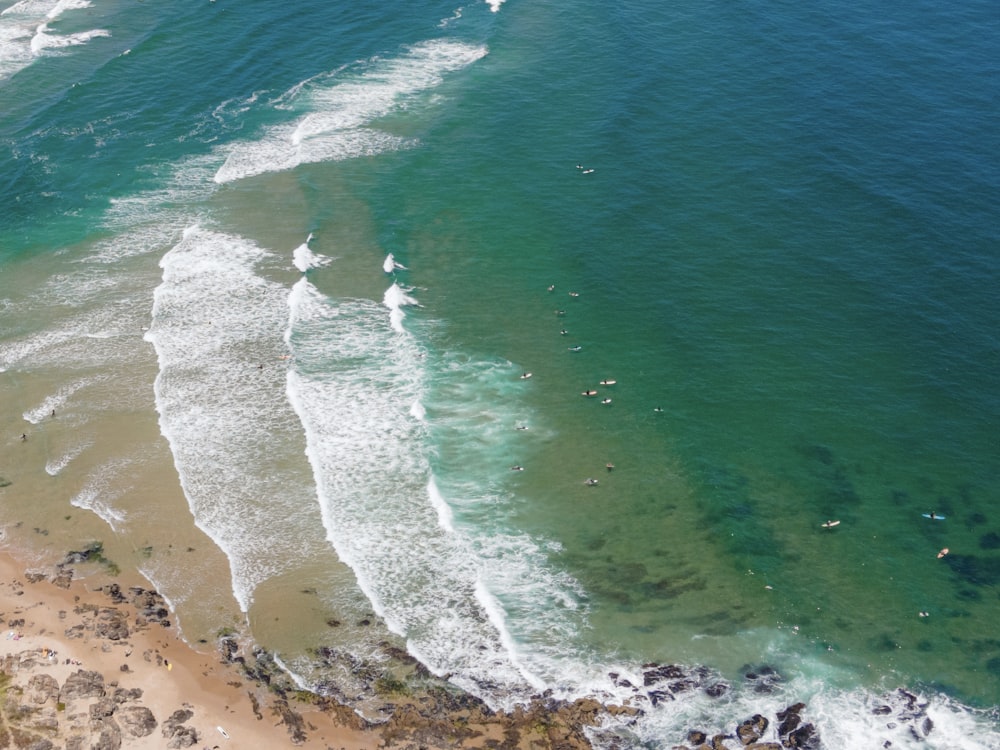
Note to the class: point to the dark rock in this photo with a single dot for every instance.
(292, 720)
(138, 720)
(656, 697)
(804, 738)
(82, 684)
(42, 688)
(882, 710)
(110, 737)
(927, 726)
(697, 738)
(763, 746)
(717, 690)
(102, 709)
(789, 718)
(173, 729)
(764, 680)
(114, 591)
(228, 648)
(659, 673)
(111, 624)
(718, 742)
(63, 577)
(752, 729)
(183, 737)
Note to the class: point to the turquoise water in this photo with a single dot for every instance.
(778, 228)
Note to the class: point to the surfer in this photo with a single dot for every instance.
(525, 376)
(609, 466)
(563, 332)
(575, 348)
(606, 401)
(943, 552)
(591, 482)
(24, 437)
(932, 515)
(552, 287)
(589, 393)
(517, 468)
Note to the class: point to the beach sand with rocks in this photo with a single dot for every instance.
(86, 671)
(89, 664)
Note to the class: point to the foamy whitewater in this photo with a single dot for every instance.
(759, 242)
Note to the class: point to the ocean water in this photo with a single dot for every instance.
(299, 305)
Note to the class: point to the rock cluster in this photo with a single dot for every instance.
(85, 712)
(790, 733)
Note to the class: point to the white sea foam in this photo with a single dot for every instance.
(390, 264)
(352, 384)
(303, 258)
(55, 465)
(340, 111)
(455, 16)
(63, 5)
(45, 40)
(495, 5)
(55, 401)
(441, 506)
(396, 298)
(842, 718)
(104, 485)
(217, 329)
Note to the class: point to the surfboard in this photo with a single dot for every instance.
(831, 524)
(934, 516)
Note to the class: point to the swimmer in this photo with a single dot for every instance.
(521, 427)
(563, 332)
(943, 552)
(609, 466)
(560, 312)
(924, 614)
(574, 294)
(591, 482)
(575, 348)
(657, 409)
(606, 401)
(517, 468)
(552, 287)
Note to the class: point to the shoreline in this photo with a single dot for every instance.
(86, 664)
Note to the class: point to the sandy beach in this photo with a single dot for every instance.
(87, 672)
(90, 663)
